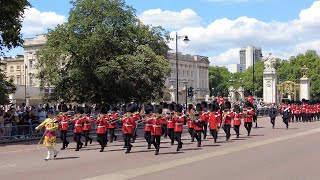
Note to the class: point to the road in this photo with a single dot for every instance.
(269, 154)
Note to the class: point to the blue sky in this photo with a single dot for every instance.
(216, 28)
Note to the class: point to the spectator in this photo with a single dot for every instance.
(1, 124)
(42, 115)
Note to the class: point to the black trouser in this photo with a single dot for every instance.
(237, 130)
(155, 140)
(147, 137)
(63, 138)
(226, 129)
(127, 142)
(214, 134)
(292, 117)
(248, 126)
(318, 115)
(205, 127)
(77, 139)
(113, 137)
(197, 135)
(86, 137)
(171, 135)
(297, 117)
(134, 135)
(102, 140)
(190, 130)
(164, 130)
(178, 139)
(304, 117)
(285, 120)
(273, 121)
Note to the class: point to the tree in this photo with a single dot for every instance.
(100, 55)
(6, 88)
(219, 80)
(258, 80)
(11, 13)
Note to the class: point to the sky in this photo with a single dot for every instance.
(216, 28)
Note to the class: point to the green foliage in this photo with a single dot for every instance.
(258, 79)
(219, 80)
(6, 88)
(11, 13)
(100, 55)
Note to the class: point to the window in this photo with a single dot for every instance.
(30, 63)
(18, 80)
(18, 68)
(187, 73)
(191, 73)
(31, 81)
(11, 69)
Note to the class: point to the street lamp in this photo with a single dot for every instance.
(27, 99)
(231, 81)
(185, 82)
(253, 77)
(25, 84)
(186, 40)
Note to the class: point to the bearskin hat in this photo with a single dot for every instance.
(115, 108)
(190, 106)
(178, 108)
(215, 106)
(131, 108)
(248, 104)
(105, 108)
(148, 108)
(204, 105)
(227, 105)
(198, 107)
(283, 101)
(165, 105)
(209, 106)
(158, 109)
(303, 100)
(236, 108)
(171, 106)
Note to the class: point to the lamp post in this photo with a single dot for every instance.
(186, 40)
(172, 81)
(25, 84)
(185, 82)
(231, 81)
(27, 99)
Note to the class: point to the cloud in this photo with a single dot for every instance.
(170, 19)
(36, 22)
(222, 38)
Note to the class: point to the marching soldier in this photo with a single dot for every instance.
(250, 98)
(294, 111)
(318, 110)
(190, 120)
(273, 115)
(199, 121)
(227, 117)
(51, 125)
(304, 111)
(147, 119)
(129, 122)
(286, 115)
(204, 118)
(214, 120)
(87, 128)
(165, 112)
(171, 123)
(113, 123)
(237, 119)
(178, 125)
(102, 126)
(78, 122)
(248, 113)
(156, 132)
(64, 127)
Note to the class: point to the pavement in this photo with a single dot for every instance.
(268, 154)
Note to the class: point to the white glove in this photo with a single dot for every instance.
(37, 128)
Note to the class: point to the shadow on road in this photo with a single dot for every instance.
(211, 145)
(62, 158)
(239, 139)
(191, 149)
(166, 153)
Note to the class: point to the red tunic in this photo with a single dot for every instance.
(102, 126)
(237, 119)
(318, 108)
(178, 126)
(128, 125)
(113, 117)
(220, 100)
(229, 118)
(248, 114)
(214, 120)
(148, 124)
(156, 127)
(77, 125)
(87, 123)
(170, 123)
(198, 125)
(250, 99)
(64, 122)
(304, 108)
(294, 109)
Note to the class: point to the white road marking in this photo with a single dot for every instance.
(132, 173)
(12, 165)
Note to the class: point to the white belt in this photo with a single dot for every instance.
(87, 124)
(64, 122)
(236, 119)
(127, 125)
(157, 126)
(179, 123)
(78, 124)
(169, 121)
(101, 126)
(148, 124)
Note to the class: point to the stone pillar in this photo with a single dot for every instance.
(305, 88)
(270, 86)
(241, 92)
(232, 94)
